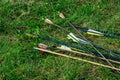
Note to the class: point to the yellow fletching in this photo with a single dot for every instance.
(95, 34)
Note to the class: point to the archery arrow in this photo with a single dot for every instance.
(93, 32)
(56, 41)
(68, 49)
(76, 58)
(99, 33)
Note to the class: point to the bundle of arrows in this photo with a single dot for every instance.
(44, 48)
(92, 52)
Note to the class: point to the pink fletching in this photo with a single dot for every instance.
(48, 21)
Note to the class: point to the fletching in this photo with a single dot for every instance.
(94, 32)
(62, 15)
(48, 21)
(69, 37)
(40, 45)
(65, 48)
(75, 39)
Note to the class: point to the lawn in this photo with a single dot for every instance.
(18, 59)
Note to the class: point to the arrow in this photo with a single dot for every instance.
(68, 49)
(76, 58)
(99, 33)
(56, 41)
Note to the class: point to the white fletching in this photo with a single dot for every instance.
(94, 31)
(62, 15)
(36, 48)
(65, 48)
(48, 21)
(41, 45)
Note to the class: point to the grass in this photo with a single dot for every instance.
(18, 60)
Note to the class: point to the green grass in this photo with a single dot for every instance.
(18, 60)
